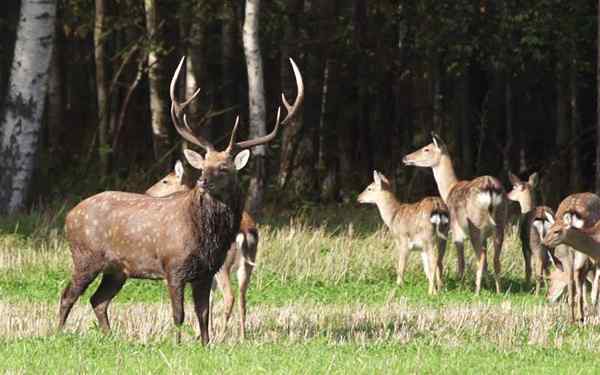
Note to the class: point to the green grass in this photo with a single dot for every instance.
(322, 299)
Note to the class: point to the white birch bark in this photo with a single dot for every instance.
(24, 105)
(256, 101)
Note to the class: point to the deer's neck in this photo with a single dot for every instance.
(527, 203)
(388, 206)
(444, 176)
(586, 242)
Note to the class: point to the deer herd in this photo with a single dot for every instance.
(194, 230)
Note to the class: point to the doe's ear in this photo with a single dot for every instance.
(179, 170)
(195, 159)
(384, 179)
(576, 221)
(241, 159)
(514, 180)
(549, 217)
(377, 178)
(438, 142)
(534, 179)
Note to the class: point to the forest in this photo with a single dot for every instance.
(271, 144)
(510, 86)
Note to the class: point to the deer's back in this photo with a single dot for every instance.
(413, 220)
(464, 203)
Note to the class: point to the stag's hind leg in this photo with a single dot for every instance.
(76, 287)
(110, 285)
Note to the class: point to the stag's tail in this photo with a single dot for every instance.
(490, 195)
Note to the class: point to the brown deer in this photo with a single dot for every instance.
(241, 255)
(182, 238)
(577, 225)
(418, 226)
(533, 225)
(477, 207)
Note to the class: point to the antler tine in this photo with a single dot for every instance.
(292, 109)
(291, 112)
(233, 133)
(178, 108)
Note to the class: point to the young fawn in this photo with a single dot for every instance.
(533, 225)
(417, 226)
(577, 224)
(240, 257)
(477, 207)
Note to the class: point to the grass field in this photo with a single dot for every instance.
(322, 299)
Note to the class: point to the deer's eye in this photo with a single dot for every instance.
(426, 150)
(164, 181)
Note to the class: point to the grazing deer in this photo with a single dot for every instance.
(241, 255)
(533, 225)
(576, 224)
(182, 238)
(575, 268)
(477, 207)
(418, 226)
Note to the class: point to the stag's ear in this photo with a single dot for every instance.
(534, 179)
(195, 159)
(438, 142)
(241, 159)
(549, 217)
(179, 170)
(514, 180)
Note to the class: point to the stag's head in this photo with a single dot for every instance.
(427, 156)
(171, 183)
(219, 168)
(562, 228)
(376, 190)
(522, 191)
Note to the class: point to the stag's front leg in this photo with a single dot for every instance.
(176, 292)
(201, 293)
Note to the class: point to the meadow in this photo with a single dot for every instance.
(323, 298)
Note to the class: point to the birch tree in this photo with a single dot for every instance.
(256, 103)
(24, 104)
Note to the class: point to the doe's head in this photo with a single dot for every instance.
(522, 191)
(427, 156)
(562, 229)
(171, 183)
(376, 190)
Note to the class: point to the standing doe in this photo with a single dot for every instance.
(533, 225)
(182, 238)
(577, 224)
(417, 226)
(477, 207)
(241, 255)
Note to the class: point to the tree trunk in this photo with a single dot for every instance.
(24, 104)
(598, 102)
(55, 100)
(158, 86)
(228, 40)
(561, 170)
(102, 86)
(464, 124)
(256, 102)
(575, 170)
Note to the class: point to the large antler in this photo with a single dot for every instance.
(291, 112)
(177, 112)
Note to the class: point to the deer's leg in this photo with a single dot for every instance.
(481, 255)
(201, 293)
(441, 251)
(176, 292)
(578, 276)
(571, 290)
(539, 271)
(110, 285)
(431, 270)
(595, 285)
(403, 251)
(244, 273)
(460, 259)
(527, 258)
(76, 287)
(224, 283)
(498, 240)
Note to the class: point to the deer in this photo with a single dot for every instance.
(181, 238)
(533, 225)
(417, 226)
(477, 207)
(240, 257)
(576, 224)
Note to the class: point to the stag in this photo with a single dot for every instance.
(241, 255)
(182, 238)
(477, 207)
